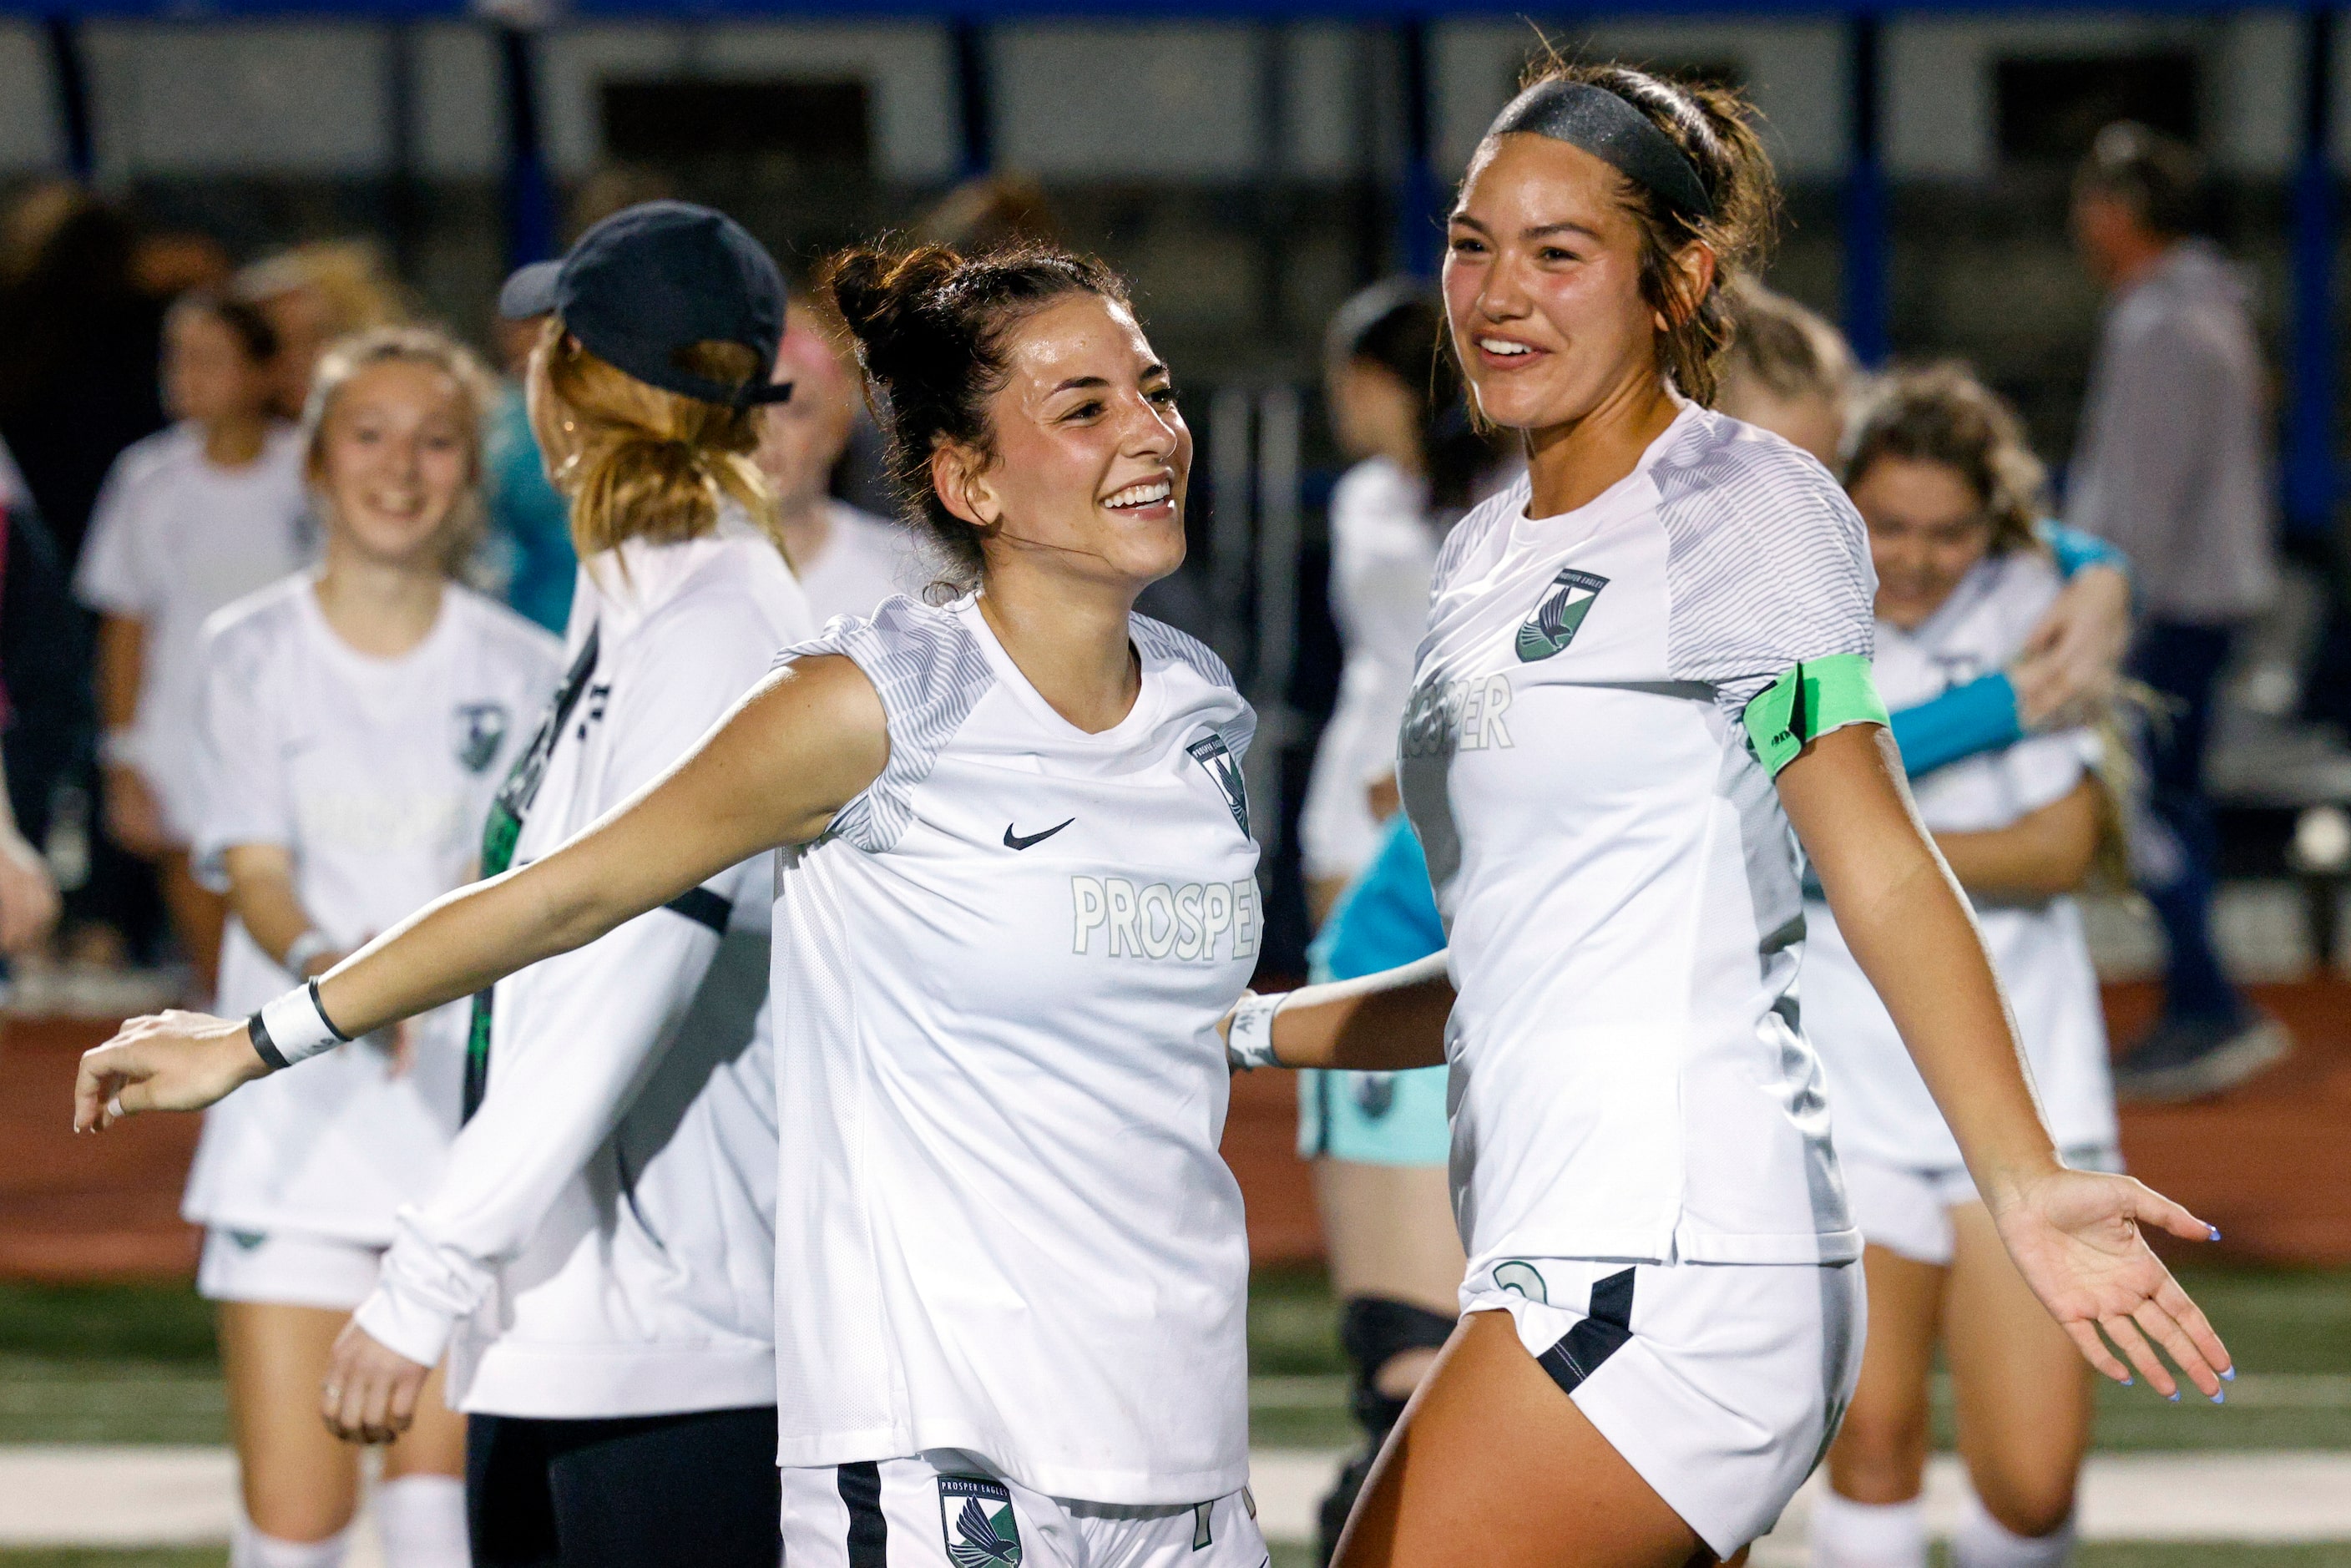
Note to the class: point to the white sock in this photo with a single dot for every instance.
(1849, 1535)
(1983, 1541)
(421, 1521)
(248, 1548)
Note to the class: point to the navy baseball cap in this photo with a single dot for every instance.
(651, 281)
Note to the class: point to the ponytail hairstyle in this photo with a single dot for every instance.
(931, 329)
(1714, 129)
(1399, 326)
(342, 362)
(638, 463)
(1941, 413)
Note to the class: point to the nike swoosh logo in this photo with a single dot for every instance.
(1013, 841)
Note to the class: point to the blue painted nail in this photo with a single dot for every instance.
(2215, 1235)
(2174, 1396)
(2222, 1397)
(2229, 1375)
(2130, 1382)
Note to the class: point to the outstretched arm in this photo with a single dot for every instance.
(800, 746)
(2075, 1235)
(1386, 1022)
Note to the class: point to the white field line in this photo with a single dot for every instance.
(97, 1495)
(2281, 1496)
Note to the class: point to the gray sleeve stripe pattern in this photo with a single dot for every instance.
(1767, 562)
(929, 675)
(1159, 641)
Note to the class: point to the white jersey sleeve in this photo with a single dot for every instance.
(928, 673)
(1767, 565)
(113, 577)
(241, 775)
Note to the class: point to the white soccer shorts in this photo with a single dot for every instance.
(1721, 1384)
(1907, 1209)
(285, 1268)
(946, 1508)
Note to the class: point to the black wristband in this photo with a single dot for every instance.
(319, 1003)
(263, 1046)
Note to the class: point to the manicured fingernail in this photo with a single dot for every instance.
(2229, 1375)
(2130, 1383)
(2174, 1396)
(2215, 1233)
(2222, 1397)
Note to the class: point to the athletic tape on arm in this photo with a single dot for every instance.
(1808, 701)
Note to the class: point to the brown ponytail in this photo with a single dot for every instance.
(638, 463)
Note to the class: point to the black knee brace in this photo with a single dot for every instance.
(1373, 1331)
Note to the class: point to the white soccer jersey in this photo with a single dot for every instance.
(865, 559)
(1004, 1226)
(601, 1244)
(1617, 879)
(171, 540)
(375, 774)
(1382, 549)
(1882, 1106)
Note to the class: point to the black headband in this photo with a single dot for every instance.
(1612, 131)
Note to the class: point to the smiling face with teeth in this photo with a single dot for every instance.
(1542, 287)
(396, 454)
(1091, 457)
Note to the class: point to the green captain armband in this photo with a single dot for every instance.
(1808, 702)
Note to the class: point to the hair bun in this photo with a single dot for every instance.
(882, 298)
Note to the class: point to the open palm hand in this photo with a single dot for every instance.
(2076, 1237)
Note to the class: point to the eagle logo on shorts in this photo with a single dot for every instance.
(479, 729)
(1210, 752)
(976, 1515)
(1565, 605)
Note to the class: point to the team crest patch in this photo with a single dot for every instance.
(976, 1515)
(1522, 1278)
(1210, 752)
(479, 729)
(1565, 605)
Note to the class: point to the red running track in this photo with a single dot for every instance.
(2265, 1163)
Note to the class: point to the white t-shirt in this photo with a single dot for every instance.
(172, 538)
(1382, 549)
(375, 774)
(1882, 1107)
(601, 1244)
(865, 559)
(1617, 879)
(1005, 1223)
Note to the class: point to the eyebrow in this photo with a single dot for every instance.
(1077, 383)
(1537, 231)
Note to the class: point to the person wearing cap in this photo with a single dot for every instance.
(597, 1257)
(1645, 681)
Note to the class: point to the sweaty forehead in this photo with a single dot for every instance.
(1083, 335)
(1525, 181)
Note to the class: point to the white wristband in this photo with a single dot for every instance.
(294, 1028)
(1250, 1042)
(303, 948)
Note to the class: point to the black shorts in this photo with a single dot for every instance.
(626, 1493)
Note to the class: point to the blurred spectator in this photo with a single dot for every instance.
(1788, 371)
(78, 343)
(2174, 464)
(1398, 411)
(995, 212)
(532, 562)
(44, 711)
(167, 264)
(191, 518)
(313, 294)
(848, 561)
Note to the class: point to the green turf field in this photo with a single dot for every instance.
(135, 1363)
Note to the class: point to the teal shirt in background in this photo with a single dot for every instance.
(530, 523)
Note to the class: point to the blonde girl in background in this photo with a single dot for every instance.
(313, 295)
(354, 722)
(1950, 493)
(190, 518)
